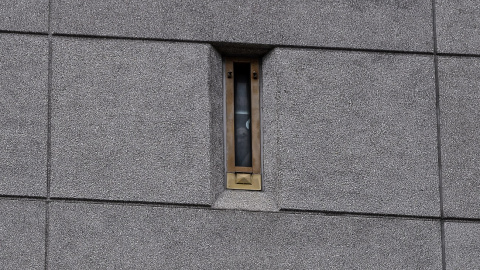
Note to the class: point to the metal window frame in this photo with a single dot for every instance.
(247, 178)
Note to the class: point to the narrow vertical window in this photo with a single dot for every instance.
(243, 124)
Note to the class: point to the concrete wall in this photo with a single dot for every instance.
(112, 135)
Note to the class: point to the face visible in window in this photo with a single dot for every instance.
(243, 153)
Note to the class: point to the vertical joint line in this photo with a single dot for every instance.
(439, 141)
(49, 116)
(49, 102)
(47, 213)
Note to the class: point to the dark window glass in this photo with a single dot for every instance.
(243, 134)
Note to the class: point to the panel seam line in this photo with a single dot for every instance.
(49, 130)
(439, 141)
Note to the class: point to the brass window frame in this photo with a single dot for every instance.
(247, 178)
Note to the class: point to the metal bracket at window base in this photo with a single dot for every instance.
(244, 181)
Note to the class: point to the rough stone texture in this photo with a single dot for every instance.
(458, 28)
(246, 200)
(23, 114)
(22, 238)
(459, 103)
(462, 245)
(136, 120)
(186, 19)
(391, 24)
(24, 15)
(94, 236)
(349, 131)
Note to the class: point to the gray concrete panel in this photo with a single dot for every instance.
(136, 120)
(170, 19)
(462, 242)
(22, 238)
(458, 28)
(351, 131)
(23, 114)
(24, 15)
(459, 101)
(95, 236)
(391, 25)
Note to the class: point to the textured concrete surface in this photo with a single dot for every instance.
(136, 120)
(459, 100)
(462, 245)
(22, 238)
(349, 131)
(393, 25)
(246, 200)
(458, 28)
(24, 15)
(23, 114)
(94, 236)
(186, 19)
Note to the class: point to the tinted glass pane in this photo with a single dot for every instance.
(243, 137)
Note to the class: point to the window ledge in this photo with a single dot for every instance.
(246, 200)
